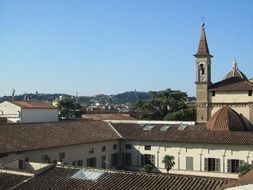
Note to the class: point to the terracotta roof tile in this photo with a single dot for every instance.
(33, 105)
(60, 178)
(192, 134)
(232, 84)
(243, 180)
(20, 137)
(108, 116)
(226, 119)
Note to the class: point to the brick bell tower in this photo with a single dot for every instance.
(203, 78)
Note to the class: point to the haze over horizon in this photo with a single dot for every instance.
(109, 47)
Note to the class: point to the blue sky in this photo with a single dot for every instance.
(112, 46)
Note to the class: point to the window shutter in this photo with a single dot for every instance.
(241, 162)
(189, 163)
(153, 159)
(229, 168)
(217, 165)
(206, 164)
(142, 160)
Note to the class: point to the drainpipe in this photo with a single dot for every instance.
(179, 152)
(201, 153)
(158, 157)
(224, 155)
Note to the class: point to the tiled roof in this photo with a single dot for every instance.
(20, 137)
(60, 178)
(243, 180)
(235, 72)
(8, 181)
(108, 116)
(192, 134)
(33, 105)
(203, 50)
(232, 84)
(226, 119)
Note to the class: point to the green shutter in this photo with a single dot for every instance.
(241, 162)
(229, 167)
(206, 164)
(153, 159)
(217, 165)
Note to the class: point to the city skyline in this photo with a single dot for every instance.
(94, 47)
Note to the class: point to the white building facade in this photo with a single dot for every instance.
(28, 112)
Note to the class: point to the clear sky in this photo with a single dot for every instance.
(112, 46)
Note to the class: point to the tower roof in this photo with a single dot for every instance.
(235, 72)
(226, 119)
(203, 50)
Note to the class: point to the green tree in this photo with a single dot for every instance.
(245, 168)
(69, 109)
(147, 167)
(169, 162)
(163, 103)
(187, 114)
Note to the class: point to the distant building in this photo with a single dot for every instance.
(234, 90)
(28, 112)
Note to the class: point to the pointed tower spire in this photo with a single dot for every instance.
(203, 50)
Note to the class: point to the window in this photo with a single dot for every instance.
(45, 158)
(91, 162)
(77, 163)
(189, 163)
(147, 147)
(103, 148)
(114, 159)
(212, 164)
(233, 165)
(114, 147)
(91, 150)
(147, 159)
(213, 93)
(128, 146)
(61, 156)
(202, 69)
(249, 93)
(127, 159)
(103, 161)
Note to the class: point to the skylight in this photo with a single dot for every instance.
(165, 128)
(182, 127)
(148, 127)
(89, 175)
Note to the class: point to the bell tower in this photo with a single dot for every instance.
(203, 77)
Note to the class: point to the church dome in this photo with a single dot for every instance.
(235, 72)
(226, 119)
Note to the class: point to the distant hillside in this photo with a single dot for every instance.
(122, 98)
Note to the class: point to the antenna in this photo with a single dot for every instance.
(25, 96)
(76, 97)
(13, 94)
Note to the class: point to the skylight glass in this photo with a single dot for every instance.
(88, 175)
(165, 128)
(148, 127)
(182, 127)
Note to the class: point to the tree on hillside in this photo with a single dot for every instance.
(162, 104)
(169, 162)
